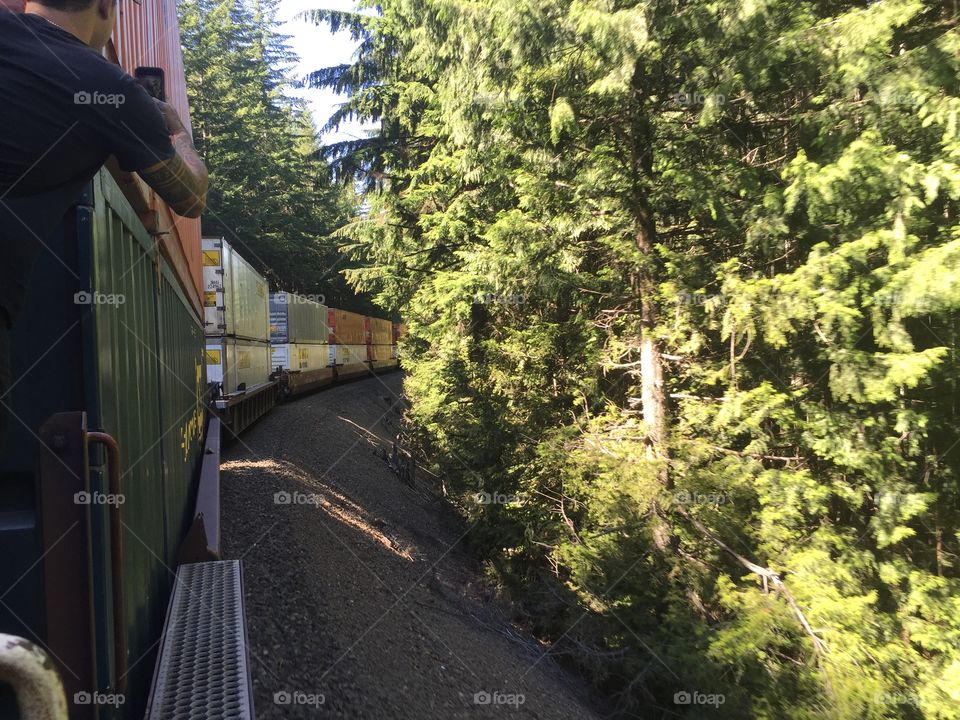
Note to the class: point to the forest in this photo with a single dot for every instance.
(271, 191)
(682, 281)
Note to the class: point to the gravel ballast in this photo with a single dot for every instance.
(361, 602)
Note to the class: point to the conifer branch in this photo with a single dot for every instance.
(768, 575)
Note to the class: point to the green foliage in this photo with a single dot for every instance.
(271, 194)
(798, 163)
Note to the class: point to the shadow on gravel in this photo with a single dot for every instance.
(360, 600)
(304, 490)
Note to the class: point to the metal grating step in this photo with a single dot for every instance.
(202, 672)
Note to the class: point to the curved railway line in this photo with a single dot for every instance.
(140, 347)
(359, 591)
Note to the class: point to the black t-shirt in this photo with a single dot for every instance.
(63, 110)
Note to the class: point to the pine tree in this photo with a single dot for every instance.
(682, 278)
(271, 193)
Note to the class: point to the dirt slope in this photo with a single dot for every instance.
(360, 600)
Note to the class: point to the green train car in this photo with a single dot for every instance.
(99, 470)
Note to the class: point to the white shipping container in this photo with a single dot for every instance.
(280, 355)
(235, 362)
(236, 297)
(297, 319)
(312, 356)
(248, 301)
(347, 354)
(213, 300)
(214, 322)
(301, 356)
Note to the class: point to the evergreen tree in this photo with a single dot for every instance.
(271, 193)
(683, 278)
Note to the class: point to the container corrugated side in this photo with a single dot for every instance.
(246, 297)
(251, 363)
(297, 319)
(381, 331)
(234, 362)
(183, 386)
(349, 354)
(310, 356)
(241, 306)
(120, 358)
(346, 328)
(148, 34)
(308, 320)
(125, 388)
(381, 353)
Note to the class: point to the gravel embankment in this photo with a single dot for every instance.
(361, 602)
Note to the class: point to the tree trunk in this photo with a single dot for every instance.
(653, 397)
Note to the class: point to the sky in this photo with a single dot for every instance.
(317, 48)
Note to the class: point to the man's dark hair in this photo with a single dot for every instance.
(67, 5)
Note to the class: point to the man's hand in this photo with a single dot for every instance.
(182, 180)
(171, 117)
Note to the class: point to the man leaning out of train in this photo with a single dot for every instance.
(64, 110)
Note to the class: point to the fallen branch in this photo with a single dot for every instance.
(760, 456)
(688, 396)
(768, 575)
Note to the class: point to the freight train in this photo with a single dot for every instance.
(263, 347)
(109, 485)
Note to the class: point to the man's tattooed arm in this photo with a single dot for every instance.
(182, 180)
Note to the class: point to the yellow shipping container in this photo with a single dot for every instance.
(381, 352)
(346, 328)
(381, 331)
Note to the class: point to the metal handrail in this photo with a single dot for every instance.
(115, 489)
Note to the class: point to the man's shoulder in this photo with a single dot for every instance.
(51, 45)
(32, 29)
(108, 77)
